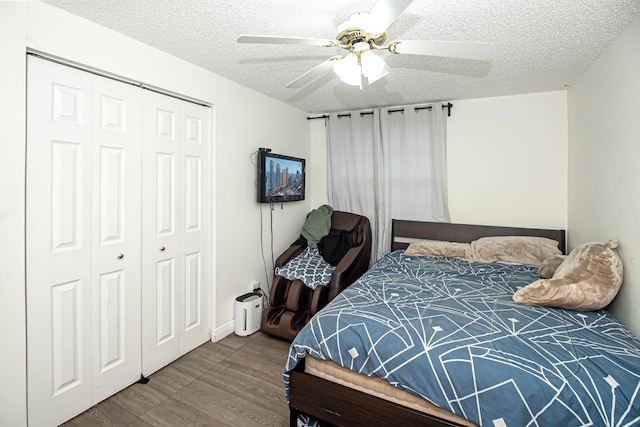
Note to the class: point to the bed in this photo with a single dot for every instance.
(473, 356)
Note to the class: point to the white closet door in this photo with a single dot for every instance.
(83, 210)
(161, 266)
(116, 221)
(59, 344)
(176, 229)
(196, 231)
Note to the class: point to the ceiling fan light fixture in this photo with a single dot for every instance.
(372, 65)
(348, 69)
(361, 36)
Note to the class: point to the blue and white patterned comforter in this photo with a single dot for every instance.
(448, 330)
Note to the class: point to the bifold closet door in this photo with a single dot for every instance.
(176, 230)
(116, 220)
(83, 240)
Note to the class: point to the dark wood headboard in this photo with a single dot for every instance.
(464, 233)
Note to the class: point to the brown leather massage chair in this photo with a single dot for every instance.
(292, 303)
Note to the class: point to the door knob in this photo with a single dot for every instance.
(120, 255)
(162, 248)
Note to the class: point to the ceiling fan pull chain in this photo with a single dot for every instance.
(359, 56)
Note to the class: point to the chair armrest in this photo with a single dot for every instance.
(319, 299)
(290, 253)
(350, 267)
(347, 261)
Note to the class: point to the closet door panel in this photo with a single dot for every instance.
(116, 230)
(83, 239)
(66, 195)
(66, 354)
(165, 304)
(162, 264)
(193, 291)
(196, 226)
(110, 320)
(193, 193)
(165, 209)
(166, 240)
(58, 242)
(176, 229)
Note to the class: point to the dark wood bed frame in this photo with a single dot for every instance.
(336, 405)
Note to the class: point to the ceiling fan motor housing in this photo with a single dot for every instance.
(351, 32)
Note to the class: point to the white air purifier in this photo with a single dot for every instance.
(248, 313)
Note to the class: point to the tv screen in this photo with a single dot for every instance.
(281, 178)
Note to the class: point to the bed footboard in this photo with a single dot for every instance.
(338, 405)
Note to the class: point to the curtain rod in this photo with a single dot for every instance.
(448, 106)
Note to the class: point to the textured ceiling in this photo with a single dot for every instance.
(541, 45)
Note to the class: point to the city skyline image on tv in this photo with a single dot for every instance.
(284, 177)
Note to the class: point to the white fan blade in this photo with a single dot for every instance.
(472, 50)
(286, 40)
(314, 72)
(383, 14)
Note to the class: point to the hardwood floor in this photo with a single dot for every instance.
(234, 382)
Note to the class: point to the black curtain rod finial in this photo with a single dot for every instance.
(448, 106)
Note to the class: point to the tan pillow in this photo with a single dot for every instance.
(550, 265)
(588, 279)
(440, 248)
(521, 249)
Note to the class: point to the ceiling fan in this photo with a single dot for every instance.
(360, 36)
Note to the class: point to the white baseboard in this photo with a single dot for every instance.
(221, 332)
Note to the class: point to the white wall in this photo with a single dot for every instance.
(319, 166)
(507, 160)
(247, 122)
(604, 155)
(12, 198)
(244, 120)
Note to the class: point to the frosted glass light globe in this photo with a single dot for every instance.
(348, 69)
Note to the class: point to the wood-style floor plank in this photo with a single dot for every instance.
(106, 413)
(254, 390)
(138, 399)
(173, 413)
(234, 382)
(228, 408)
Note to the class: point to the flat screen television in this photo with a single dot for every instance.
(280, 178)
